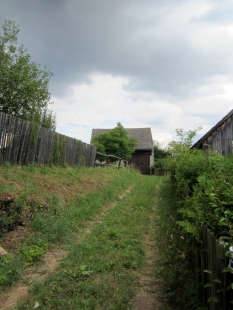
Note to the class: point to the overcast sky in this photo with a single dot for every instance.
(163, 64)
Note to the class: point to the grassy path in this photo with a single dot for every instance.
(111, 263)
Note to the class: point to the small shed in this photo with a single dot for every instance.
(143, 156)
(219, 137)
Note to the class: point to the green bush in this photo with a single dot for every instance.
(202, 183)
(202, 193)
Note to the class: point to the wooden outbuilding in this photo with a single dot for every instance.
(143, 156)
(220, 137)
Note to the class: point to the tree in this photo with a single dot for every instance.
(115, 142)
(160, 155)
(23, 85)
(180, 153)
(159, 151)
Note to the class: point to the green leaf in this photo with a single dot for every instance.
(86, 273)
(229, 254)
(83, 267)
(214, 299)
(228, 212)
(221, 290)
(217, 281)
(227, 269)
(208, 285)
(207, 271)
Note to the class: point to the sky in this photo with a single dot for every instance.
(161, 64)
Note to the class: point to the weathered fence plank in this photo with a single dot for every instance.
(24, 142)
(210, 265)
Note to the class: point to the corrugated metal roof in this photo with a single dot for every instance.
(212, 130)
(143, 135)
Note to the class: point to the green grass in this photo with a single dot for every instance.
(56, 215)
(100, 272)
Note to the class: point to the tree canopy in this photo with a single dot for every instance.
(115, 142)
(23, 85)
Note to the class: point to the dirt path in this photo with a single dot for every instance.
(51, 260)
(148, 292)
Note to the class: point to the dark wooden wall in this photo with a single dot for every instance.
(221, 138)
(141, 162)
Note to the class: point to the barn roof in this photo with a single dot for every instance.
(143, 135)
(199, 143)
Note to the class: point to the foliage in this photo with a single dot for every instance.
(159, 150)
(10, 216)
(32, 253)
(23, 85)
(180, 290)
(115, 142)
(160, 155)
(202, 185)
(59, 149)
(10, 269)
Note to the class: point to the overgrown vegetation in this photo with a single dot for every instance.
(200, 187)
(203, 183)
(173, 270)
(50, 204)
(160, 155)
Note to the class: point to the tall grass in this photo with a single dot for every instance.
(179, 286)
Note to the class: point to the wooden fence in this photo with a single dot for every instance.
(208, 262)
(23, 142)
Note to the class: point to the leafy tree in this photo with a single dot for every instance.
(23, 85)
(115, 142)
(160, 155)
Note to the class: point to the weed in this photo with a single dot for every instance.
(32, 253)
(10, 269)
(6, 170)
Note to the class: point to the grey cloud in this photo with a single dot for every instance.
(76, 38)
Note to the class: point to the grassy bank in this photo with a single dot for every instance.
(100, 271)
(50, 205)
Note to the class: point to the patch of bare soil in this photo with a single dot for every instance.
(148, 293)
(15, 238)
(51, 260)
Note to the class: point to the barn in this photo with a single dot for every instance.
(219, 137)
(143, 156)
